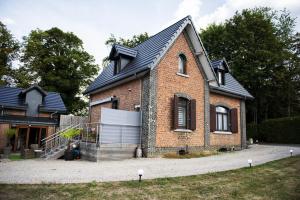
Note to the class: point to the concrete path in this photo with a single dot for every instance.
(60, 171)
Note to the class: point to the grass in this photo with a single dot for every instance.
(275, 180)
(175, 155)
(15, 157)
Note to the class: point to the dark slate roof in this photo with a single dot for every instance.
(146, 54)
(10, 97)
(120, 49)
(231, 86)
(220, 64)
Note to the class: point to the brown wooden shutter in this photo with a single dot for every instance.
(212, 118)
(175, 112)
(193, 114)
(234, 120)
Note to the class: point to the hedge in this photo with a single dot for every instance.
(280, 130)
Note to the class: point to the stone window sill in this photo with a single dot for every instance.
(223, 132)
(183, 130)
(183, 75)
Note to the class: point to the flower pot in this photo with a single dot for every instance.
(68, 155)
(6, 151)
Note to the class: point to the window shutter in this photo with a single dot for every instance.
(175, 112)
(193, 114)
(234, 120)
(212, 118)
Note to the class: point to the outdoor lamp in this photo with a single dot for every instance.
(141, 173)
(74, 146)
(250, 162)
(291, 152)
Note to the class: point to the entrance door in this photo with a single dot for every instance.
(30, 135)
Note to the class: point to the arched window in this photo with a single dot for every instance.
(182, 64)
(222, 118)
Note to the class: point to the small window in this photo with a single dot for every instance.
(117, 66)
(183, 113)
(182, 64)
(221, 77)
(222, 119)
(115, 104)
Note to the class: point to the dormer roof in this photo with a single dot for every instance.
(118, 50)
(220, 64)
(33, 87)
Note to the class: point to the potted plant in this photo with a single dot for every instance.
(69, 134)
(9, 135)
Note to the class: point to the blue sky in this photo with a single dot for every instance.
(94, 20)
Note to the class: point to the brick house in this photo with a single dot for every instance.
(183, 97)
(33, 112)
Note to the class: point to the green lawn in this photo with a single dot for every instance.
(274, 180)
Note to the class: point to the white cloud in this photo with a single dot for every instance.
(7, 21)
(229, 7)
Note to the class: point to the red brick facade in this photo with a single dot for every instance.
(219, 139)
(169, 83)
(129, 95)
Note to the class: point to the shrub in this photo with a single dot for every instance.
(10, 132)
(70, 133)
(280, 130)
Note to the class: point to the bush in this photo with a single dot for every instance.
(70, 133)
(280, 130)
(10, 132)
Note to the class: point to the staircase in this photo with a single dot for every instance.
(55, 145)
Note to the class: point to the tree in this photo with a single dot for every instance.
(57, 62)
(9, 48)
(257, 43)
(134, 41)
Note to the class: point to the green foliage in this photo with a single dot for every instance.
(132, 42)
(10, 132)
(70, 133)
(9, 48)
(281, 130)
(263, 52)
(57, 62)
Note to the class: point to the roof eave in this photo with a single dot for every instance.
(227, 93)
(117, 82)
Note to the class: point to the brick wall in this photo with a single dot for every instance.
(169, 83)
(129, 95)
(228, 139)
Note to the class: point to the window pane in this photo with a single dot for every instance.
(181, 63)
(181, 116)
(225, 122)
(219, 127)
(220, 77)
(220, 109)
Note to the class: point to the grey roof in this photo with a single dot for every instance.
(10, 97)
(231, 86)
(146, 53)
(120, 49)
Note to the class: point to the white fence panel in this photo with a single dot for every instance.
(119, 127)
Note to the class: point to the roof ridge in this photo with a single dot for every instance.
(188, 16)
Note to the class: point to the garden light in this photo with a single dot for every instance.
(250, 162)
(291, 152)
(141, 173)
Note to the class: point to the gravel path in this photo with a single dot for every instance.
(60, 171)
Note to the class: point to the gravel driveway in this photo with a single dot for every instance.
(60, 171)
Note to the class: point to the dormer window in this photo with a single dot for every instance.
(221, 77)
(117, 66)
(182, 64)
